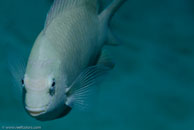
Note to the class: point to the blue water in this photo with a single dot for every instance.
(152, 85)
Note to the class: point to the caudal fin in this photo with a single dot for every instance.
(109, 12)
(105, 18)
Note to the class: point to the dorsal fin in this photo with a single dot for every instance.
(60, 5)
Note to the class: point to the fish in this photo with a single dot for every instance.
(68, 58)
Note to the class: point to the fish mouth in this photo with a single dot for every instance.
(35, 111)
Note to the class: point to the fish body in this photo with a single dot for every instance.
(72, 40)
(67, 58)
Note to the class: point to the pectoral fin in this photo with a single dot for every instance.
(83, 87)
(17, 65)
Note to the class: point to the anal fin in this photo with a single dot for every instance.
(105, 59)
(112, 40)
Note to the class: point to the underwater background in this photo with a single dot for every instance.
(151, 86)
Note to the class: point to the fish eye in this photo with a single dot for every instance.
(53, 84)
(22, 81)
(52, 88)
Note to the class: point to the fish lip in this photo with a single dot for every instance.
(32, 113)
(35, 111)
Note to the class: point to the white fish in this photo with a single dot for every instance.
(67, 58)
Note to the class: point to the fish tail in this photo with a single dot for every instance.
(109, 12)
(105, 18)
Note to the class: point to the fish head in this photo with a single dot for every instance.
(44, 93)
